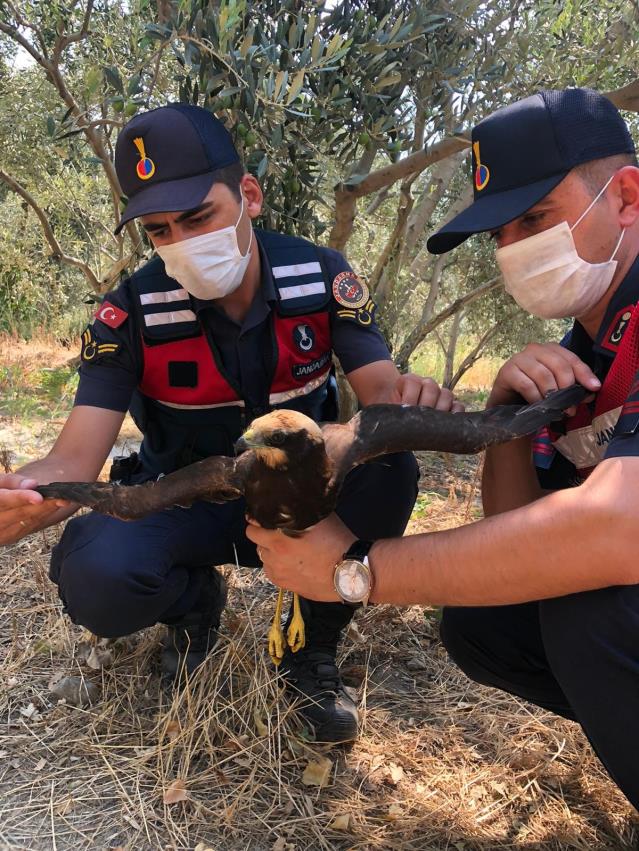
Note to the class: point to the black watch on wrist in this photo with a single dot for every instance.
(353, 577)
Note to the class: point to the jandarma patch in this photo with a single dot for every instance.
(349, 290)
(92, 350)
(145, 167)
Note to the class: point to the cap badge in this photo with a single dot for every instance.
(482, 172)
(145, 167)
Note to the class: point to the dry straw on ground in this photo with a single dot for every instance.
(441, 763)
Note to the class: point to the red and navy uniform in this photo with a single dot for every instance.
(192, 378)
(576, 655)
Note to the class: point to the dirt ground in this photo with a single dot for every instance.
(226, 765)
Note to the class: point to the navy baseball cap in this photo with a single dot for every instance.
(522, 151)
(165, 159)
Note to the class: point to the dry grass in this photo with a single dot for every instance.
(441, 763)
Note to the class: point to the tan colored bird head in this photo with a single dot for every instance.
(280, 437)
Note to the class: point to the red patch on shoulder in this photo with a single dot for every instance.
(111, 315)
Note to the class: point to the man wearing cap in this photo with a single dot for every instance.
(542, 597)
(224, 324)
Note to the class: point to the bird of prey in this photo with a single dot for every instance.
(290, 470)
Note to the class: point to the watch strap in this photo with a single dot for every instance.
(358, 550)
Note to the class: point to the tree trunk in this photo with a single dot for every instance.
(451, 348)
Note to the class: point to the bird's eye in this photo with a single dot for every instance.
(277, 437)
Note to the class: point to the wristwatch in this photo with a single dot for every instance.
(353, 577)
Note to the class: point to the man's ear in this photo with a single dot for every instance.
(253, 195)
(628, 187)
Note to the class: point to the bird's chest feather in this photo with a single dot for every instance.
(289, 497)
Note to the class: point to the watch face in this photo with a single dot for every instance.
(352, 581)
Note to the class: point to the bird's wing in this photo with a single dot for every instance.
(383, 429)
(216, 479)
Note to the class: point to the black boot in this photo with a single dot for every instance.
(313, 675)
(191, 638)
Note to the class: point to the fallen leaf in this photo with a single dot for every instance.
(395, 811)
(260, 726)
(317, 773)
(281, 844)
(395, 773)
(11, 682)
(4, 754)
(377, 762)
(341, 822)
(353, 632)
(173, 730)
(40, 764)
(99, 657)
(202, 846)
(30, 712)
(176, 792)
(62, 807)
(464, 705)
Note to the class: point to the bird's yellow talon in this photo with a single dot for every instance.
(276, 641)
(296, 633)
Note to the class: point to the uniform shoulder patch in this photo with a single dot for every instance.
(111, 314)
(350, 291)
(92, 350)
(362, 315)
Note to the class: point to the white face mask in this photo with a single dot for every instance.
(208, 266)
(547, 277)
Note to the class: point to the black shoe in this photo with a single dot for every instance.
(191, 638)
(312, 673)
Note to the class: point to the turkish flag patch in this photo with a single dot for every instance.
(111, 315)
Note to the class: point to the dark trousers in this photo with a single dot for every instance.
(117, 577)
(577, 656)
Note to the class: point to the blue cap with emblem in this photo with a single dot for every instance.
(522, 151)
(165, 159)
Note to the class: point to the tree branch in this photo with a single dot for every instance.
(419, 334)
(626, 97)
(56, 250)
(346, 194)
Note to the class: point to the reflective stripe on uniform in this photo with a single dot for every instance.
(169, 318)
(287, 395)
(302, 290)
(297, 269)
(164, 297)
(182, 407)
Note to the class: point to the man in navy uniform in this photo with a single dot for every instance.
(225, 323)
(542, 597)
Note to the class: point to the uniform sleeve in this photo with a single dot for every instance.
(357, 340)
(109, 359)
(625, 437)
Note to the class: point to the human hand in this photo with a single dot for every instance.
(415, 390)
(538, 370)
(22, 509)
(304, 564)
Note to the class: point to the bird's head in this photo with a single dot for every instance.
(280, 437)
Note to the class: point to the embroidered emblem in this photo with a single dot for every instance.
(615, 332)
(304, 337)
(111, 315)
(92, 350)
(349, 291)
(363, 315)
(145, 167)
(482, 172)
